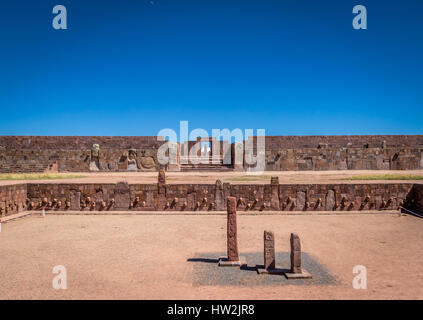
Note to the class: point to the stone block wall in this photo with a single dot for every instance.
(300, 153)
(210, 197)
(73, 154)
(282, 153)
(344, 159)
(13, 199)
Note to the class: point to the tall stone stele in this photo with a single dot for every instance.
(269, 256)
(161, 185)
(296, 272)
(232, 239)
(295, 253)
(232, 259)
(274, 202)
(269, 250)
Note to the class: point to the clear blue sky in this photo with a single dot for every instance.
(133, 67)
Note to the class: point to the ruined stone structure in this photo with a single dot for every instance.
(209, 197)
(13, 199)
(82, 153)
(78, 154)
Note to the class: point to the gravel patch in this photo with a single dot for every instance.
(206, 271)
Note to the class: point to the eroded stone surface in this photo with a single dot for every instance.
(274, 202)
(218, 196)
(232, 240)
(122, 198)
(269, 250)
(301, 199)
(330, 200)
(75, 200)
(295, 253)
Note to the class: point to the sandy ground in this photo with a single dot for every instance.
(287, 177)
(145, 256)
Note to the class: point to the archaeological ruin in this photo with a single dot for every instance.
(20, 154)
(282, 153)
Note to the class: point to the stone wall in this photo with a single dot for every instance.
(344, 159)
(73, 154)
(12, 199)
(353, 141)
(299, 153)
(282, 153)
(210, 197)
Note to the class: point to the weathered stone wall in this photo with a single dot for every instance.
(12, 199)
(353, 141)
(73, 154)
(210, 197)
(344, 159)
(282, 153)
(341, 152)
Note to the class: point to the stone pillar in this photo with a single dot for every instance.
(75, 200)
(161, 183)
(330, 200)
(226, 192)
(274, 202)
(122, 198)
(232, 259)
(232, 240)
(295, 253)
(269, 250)
(218, 196)
(301, 200)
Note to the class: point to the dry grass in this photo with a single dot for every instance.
(38, 176)
(249, 178)
(386, 177)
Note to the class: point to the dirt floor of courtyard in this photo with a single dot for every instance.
(285, 177)
(150, 256)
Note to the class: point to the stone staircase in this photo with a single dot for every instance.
(23, 167)
(204, 163)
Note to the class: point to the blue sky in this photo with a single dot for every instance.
(133, 67)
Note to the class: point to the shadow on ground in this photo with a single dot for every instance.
(207, 272)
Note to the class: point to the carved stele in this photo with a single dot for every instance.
(161, 184)
(296, 272)
(218, 196)
(75, 200)
(269, 250)
(122, 199)
(295, 253)
(232, 240)
(232, 259)
(274, 202)
(269, 256)
(162, 181)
